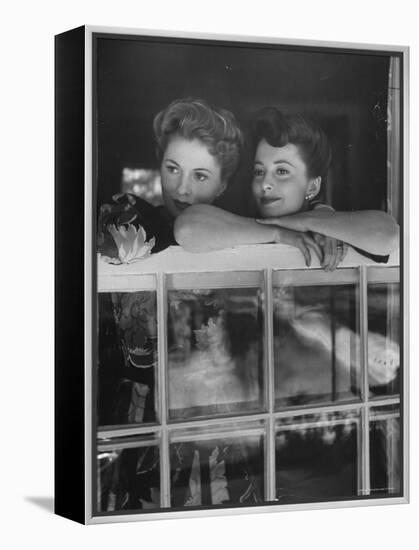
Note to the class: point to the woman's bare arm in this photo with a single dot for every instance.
(202, 228)
(370, 230)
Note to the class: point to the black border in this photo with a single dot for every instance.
(256, 45)
(69, 384)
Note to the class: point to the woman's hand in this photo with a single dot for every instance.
(303, 241)
(333, 251)
(330, 251)
(373, 231)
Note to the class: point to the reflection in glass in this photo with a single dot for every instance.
(384, 338)
(316, 457)
(217, 471)
(128, 479)
(215, 351)
(127, 358)
(143, 183)
(316, 344)
(385, 450)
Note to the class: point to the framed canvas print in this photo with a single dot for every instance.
(231, 292)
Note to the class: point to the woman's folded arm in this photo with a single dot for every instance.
(371, 230)
(202, 228)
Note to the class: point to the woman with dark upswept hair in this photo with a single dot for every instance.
(291, 159)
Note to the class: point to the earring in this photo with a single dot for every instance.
(308, 197)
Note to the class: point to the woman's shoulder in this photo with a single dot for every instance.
(319, 205)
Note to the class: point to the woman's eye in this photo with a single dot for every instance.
(258, 173)
(199, 176)
(282, 172)
(172, 169)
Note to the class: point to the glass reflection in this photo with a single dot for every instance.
(385, 451)
(384, 338)
(128, 479)
(215, 351)
(316, 344)
(316, 457)
(219, 471)
(127, 358)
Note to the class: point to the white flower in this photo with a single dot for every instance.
(131, 242)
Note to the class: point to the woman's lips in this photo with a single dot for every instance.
(180, 205)
(266, 201)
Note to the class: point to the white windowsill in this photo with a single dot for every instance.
(244, 258)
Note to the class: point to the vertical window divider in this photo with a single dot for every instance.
(365, 440)
(270, 387)
(162, 390)
(390, 454)
(391, 306)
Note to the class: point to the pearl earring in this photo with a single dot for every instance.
(308, 197)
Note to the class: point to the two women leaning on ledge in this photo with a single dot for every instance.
(199, 150)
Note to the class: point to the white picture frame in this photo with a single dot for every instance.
(77, 88)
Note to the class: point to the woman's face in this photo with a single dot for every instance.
(189, 175)
(280, 181)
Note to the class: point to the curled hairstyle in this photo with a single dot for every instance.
(279, 129)
(195, 119)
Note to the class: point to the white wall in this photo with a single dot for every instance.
(27, 258)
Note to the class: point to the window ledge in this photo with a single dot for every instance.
(243, 258)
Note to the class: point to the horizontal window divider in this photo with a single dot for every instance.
(210, 280)
(128, 431)
(384, 416)
(314, 409)
(232, 432)
(211, 422)
(335, 407)
(209, 436)
(314, 277)
(127, 444)
(389, 274)
(125, 282)
(384, 401)
(104, 435)
(127, 288)
(316, 424)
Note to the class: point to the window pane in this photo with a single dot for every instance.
(384, 338)
(128, 479)
(316, 457)
(385, 450)
(217, 471)
(127, 358)
(316, 344)
(215, 351)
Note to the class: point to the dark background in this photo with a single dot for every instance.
(346, 91)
